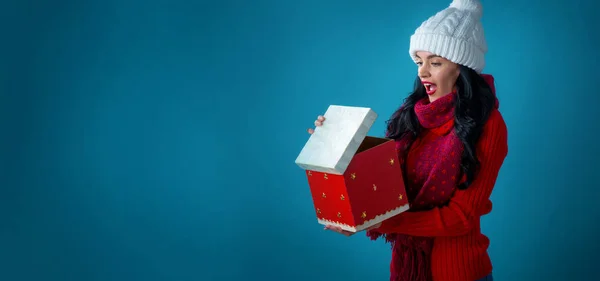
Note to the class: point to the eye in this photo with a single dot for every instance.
(419, 63)
(436, 63)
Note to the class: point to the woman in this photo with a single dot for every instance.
(452, 141)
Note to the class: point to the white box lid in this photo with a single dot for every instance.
(331, 147)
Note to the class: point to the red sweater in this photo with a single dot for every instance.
(460, 249)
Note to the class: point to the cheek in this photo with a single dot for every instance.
(455, 74)
(447, 77)
(451, 76)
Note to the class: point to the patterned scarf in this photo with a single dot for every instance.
(430, 184)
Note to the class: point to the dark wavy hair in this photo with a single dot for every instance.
(475, 100)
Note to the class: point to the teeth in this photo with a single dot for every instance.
(428, 86)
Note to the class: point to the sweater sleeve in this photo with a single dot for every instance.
(465, 206)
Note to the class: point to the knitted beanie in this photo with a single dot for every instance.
(454, 33)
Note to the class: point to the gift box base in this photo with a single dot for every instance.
(366, 224)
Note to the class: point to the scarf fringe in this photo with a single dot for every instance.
(414, 253)
(415, 265)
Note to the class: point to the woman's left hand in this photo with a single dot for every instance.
(345, 232)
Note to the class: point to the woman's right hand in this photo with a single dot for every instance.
(318, 122)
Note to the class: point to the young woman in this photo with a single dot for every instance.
(452, 141)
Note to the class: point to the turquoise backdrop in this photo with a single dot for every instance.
(155, 140)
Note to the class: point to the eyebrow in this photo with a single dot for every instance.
(430, 56)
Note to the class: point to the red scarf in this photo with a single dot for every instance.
(424, 188)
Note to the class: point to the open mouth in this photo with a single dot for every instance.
(429, 87)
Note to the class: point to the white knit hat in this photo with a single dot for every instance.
(454, 33)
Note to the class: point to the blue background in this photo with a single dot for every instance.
(155, 140)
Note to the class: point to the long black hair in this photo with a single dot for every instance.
(475, 100)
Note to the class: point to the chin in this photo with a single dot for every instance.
(436, 95)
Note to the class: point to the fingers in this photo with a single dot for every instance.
(318, 122)
(331, 227)
(338, 230)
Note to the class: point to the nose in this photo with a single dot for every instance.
(423, 71)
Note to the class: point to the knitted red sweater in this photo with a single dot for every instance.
(460, 249)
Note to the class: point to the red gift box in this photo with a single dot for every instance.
(355, 180)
